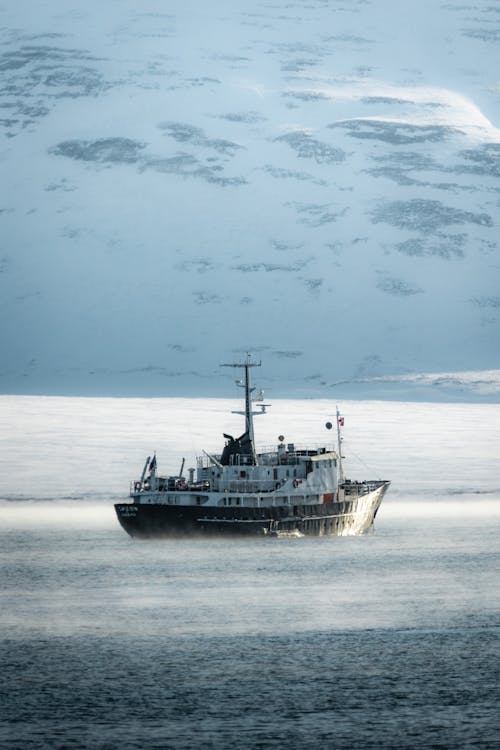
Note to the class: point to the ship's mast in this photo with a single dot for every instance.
(340, 423)
(246, 365)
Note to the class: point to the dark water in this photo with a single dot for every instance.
(390, 640)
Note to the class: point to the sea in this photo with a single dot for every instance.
(389, 640)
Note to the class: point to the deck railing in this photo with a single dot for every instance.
(270, 456)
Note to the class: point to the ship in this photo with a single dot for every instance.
(285, 490)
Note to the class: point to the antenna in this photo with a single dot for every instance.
(340, 423)
(246, 365)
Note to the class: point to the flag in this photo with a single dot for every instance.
(340, 420)
(152, 465)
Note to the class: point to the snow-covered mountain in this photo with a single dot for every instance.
(316, 182)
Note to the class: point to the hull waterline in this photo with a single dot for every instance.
(157, 520)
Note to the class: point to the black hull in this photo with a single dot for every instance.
(352, 516)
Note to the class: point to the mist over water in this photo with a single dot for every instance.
(388, 640)
(90, 448)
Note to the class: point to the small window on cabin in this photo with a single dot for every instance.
(243, 474)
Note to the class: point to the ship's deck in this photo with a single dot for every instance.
(268, 456)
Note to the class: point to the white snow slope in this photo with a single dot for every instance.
(316, 182)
